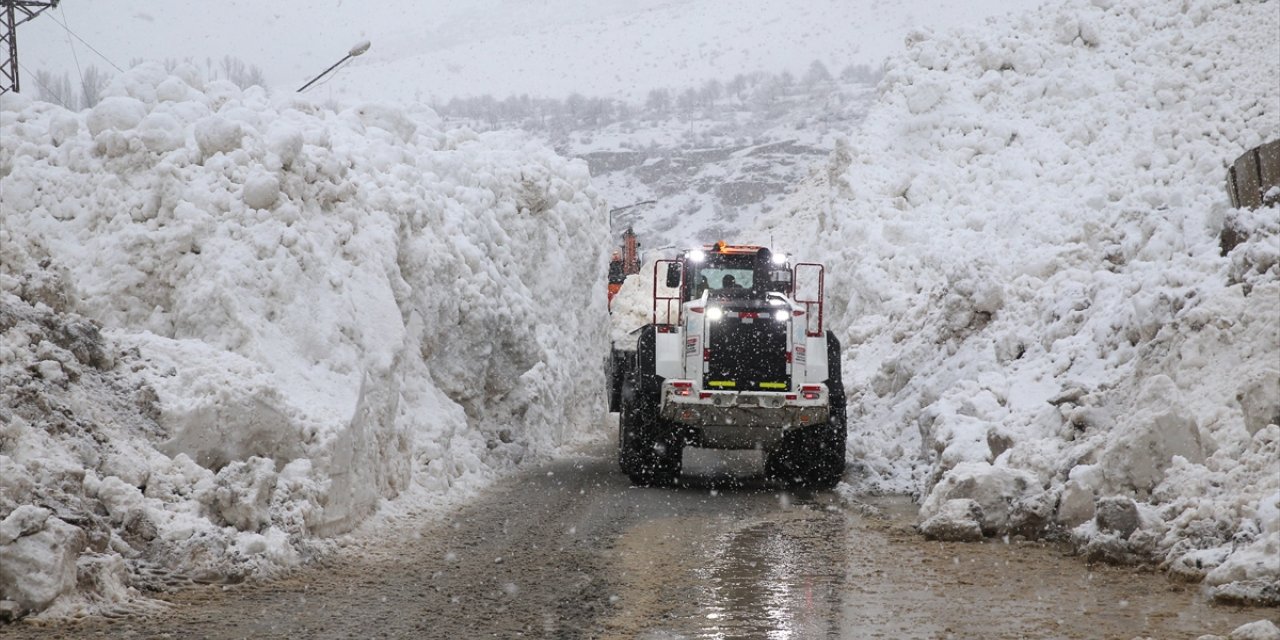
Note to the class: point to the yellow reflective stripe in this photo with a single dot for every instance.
(722, 383)
(773, 385)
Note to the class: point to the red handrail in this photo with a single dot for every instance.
(667, 299)
(809, 304)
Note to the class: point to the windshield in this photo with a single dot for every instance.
(723, 274)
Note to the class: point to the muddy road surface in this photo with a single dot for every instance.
(572, 550)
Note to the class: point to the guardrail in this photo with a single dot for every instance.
(1253, 174)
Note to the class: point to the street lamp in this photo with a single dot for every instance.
(634, 204)
(360, 48)
(630, 206)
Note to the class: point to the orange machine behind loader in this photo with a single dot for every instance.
(624, 263)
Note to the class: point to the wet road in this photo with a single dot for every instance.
(571, 550)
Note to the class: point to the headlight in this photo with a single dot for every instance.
(781, 315)
(697, 255)
(714, 313)
(779, 258)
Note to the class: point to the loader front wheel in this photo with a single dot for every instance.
(648, 456)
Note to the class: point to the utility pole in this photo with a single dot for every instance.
(14, 13)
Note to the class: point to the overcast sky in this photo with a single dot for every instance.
(435, 49)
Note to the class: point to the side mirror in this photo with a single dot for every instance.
(673, 275)
(780, 280)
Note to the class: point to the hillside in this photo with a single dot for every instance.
(1027, 275)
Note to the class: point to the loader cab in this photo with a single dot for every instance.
(758, 275)
(728, 272)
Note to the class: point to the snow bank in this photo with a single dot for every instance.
(231, 325)
(1027, 277)
(633, 305)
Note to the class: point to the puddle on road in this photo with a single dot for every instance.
(763, 580)
(699, 578)
(810, 567)
(758, 564)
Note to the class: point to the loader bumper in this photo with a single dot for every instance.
(741, 420)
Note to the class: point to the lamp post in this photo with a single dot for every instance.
(360, 48)
(630, 206)
(630, 256)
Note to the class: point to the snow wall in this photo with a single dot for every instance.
(1025, 271)
(231, 325)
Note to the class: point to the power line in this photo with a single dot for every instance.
(82, 41)
(72, 45)
(49, 92)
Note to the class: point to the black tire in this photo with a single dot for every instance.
(660, 466)
(628, 456)
(810, 457)
(833, 439)
(785, 463)
(632, 435)
(815, 456)
(827, 449)
(649, 451)
(616, 368)
(835, 382)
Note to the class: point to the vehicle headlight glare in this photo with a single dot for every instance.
(714, 313)
(781, 315)
(697, 255)
(779, 258)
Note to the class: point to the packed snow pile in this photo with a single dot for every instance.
(1042, 332)
(633, 306)
(231, 325)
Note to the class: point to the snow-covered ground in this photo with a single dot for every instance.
(709, 174)
(1025, 271)
(231, 325)
(234, 324)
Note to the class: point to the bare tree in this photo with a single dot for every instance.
(786, 81)
(599, 110)
(576, 104)
(688, 100)
(658, 101)
(711, 91)
(817, 74)
(767, 91)
(235, 71)
(92, 84)
(488, 109)
(860, 73)
(56, 89)
(738, 87)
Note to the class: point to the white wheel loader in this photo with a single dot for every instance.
(735, 357)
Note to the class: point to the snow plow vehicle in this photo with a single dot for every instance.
(735, 356)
